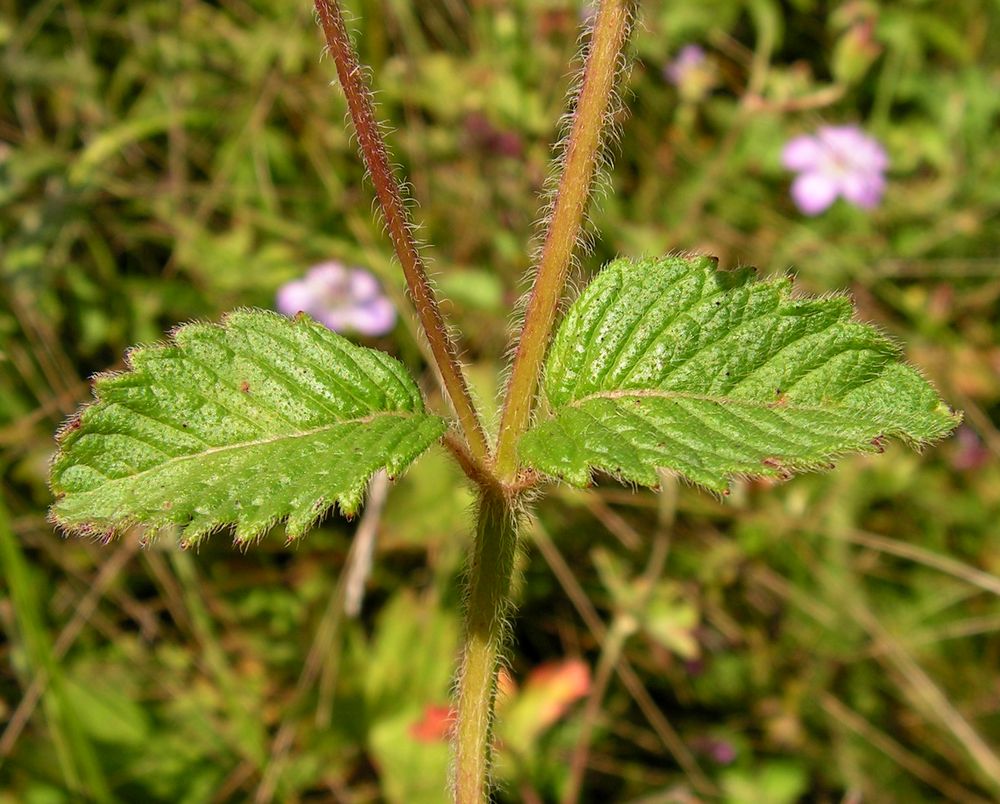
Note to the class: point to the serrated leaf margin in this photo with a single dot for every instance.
(348, 504)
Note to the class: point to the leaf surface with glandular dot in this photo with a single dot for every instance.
(258, 420)
(672, 364)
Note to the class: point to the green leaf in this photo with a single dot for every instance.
(260, 419)
(670, 363)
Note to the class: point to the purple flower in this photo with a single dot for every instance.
(836, 161)
(690, 59)
(341, 298)
(721, 751)
(969, 452)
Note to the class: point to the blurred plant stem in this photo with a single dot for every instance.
(591, 116)
(78, 762)
(624, 625)
(630, 679)
(375, 154)
(247, 732)
(490, 574)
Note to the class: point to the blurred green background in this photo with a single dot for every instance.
(834, 638)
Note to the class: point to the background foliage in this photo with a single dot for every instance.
(832, 638)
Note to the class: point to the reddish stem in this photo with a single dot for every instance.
(375, 154)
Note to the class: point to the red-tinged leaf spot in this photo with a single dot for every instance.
(245, 387)
(167, 505)
(780, 400)
(778, 467)
(74, 423)
(556, 686)
(436, 724)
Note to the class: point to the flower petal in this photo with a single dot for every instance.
(377, 317)
(339, 319)
(690, 58)
(813, 192)
(851, 145)
(862, 189)
(330, 272)
(364, 286)
(873, 155)
(294, 297)
(802, 153)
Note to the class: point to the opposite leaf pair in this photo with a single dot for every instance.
(665, 363)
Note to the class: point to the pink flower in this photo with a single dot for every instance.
(722, 752)
(690, 58)
(836, 161)
(341, 298)
(968, 451)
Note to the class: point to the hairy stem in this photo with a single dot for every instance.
(490, 575)
(375, 153)
(580, 164)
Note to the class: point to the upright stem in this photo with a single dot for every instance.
(490, 575)
(581, 157)
(390, 197)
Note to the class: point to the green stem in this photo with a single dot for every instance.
(488, 602)
(375, 154)
(590, 119)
